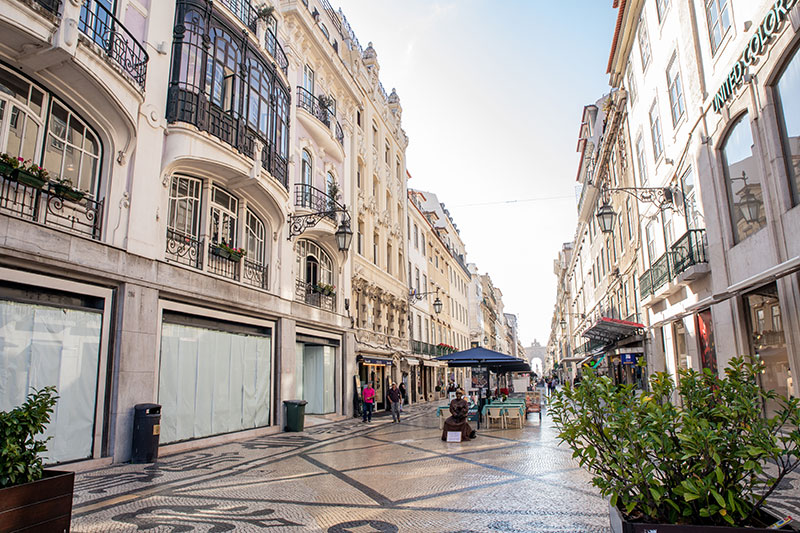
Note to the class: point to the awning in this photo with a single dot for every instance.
(373, 360)
(612, 329)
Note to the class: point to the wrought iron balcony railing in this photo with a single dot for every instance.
(52, 6)
(244, 11)
(423, 348)
(103, 28)
(184, 249)
(689, 250)
(309, 102)
(256, 274)
(194, 108)
(339, 133)
(313, 199)
(84, 217)
(276, 51)
(308, 293)
(221, 263)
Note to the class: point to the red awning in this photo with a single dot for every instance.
(612, 329)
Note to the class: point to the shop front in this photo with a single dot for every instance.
(315, 373)
(375, 370)
(411, 378)
(621, 346)
(215, 376)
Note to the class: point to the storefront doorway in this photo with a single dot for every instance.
(376, 372)
(315, 374)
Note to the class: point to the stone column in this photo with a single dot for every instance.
(135, 377)
(285, 365)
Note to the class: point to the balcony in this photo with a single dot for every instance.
(246, 13)
(43, 206)
(187, 250)
(308, 293)
(103, 29)
(688, 251)
(312, 199)
(311, 104)
(423, 348)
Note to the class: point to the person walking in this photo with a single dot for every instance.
(369, 402)
(403, 395)
(396, 400)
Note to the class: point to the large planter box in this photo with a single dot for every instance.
(620, 525)
(44, 505)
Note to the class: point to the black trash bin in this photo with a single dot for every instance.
(146, 430)
(295, 414)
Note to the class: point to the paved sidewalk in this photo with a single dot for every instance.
(349, 476)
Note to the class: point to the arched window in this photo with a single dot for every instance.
(745, 198)
(255, 238)
(325, 31)
(224, 214)
(190, 69)
(314, 265)
(221, 71)
(787, 89)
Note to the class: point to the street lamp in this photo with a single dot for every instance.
(344, 235)
(415, 296)
(660, 196)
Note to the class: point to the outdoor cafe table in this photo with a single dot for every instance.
(505, 406)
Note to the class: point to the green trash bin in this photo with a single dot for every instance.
(295, 414)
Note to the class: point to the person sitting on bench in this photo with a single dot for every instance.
(458, 419)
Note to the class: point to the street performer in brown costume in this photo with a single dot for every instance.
(458, 421)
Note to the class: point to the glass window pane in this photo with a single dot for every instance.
(72, 162)
(30, 146)
(58, 121)
(13, 85)
(53, 156)
(88, 173)
(788, 88)
(744, 181)
(75, 132)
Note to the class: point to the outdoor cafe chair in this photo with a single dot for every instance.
(513, 415)
(495, 413)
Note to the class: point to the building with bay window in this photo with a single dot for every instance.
(201, 159)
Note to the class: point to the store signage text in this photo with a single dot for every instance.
(756, 47)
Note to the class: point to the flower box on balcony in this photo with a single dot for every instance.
(27, 178)
(226, 252)
(65, 191)
(6, 170)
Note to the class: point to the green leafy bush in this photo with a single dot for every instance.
(19, 450)
(698, 460)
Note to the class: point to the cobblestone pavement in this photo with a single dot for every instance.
(352, 477)
(361, 478)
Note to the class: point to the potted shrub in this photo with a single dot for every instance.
(29, 495)
(31, 174)
(63, 188)
(8, 164)
(264, 12)
(686, 465)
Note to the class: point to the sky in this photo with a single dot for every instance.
(492, 93)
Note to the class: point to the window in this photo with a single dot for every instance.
(332, 105)
(424, 283)
(184, 207)
(416, 278)
(745, 198)
(255, 238)
(640, 159)
(306, 177)
(655, 131)
(644, 43)
(787, 89)
(628, 218)
(222, 67)
(360, 242)
(650, 232)
(388, 258)
(223, 218)
(324, 31)
(314, 265)
(398, 170)
(631, 83)
(613, 164)
(386, 152)
(690, 200)
(416, 236)
(422, 239)
(661, 8)
(669, 228)
(375, 248)
(308, 79)
(359, 172)
(675, 91)
(72, 151)
(374, 135)
(719, 21)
